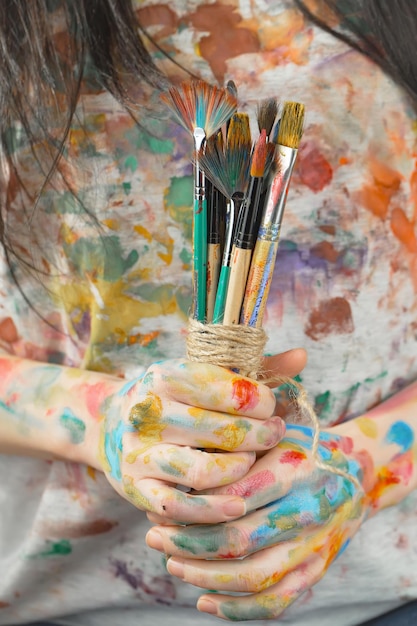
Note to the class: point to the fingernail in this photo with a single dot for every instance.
(272, 433)
(154, 539)
(207, 606)
(234, 508)
(176, 568)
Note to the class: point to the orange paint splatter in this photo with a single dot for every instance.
(245, 393)
(376, 196)
(403, 229)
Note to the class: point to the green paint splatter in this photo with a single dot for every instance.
(323, 404)
(59, 548)
(186, 257)
(127, 187)
(103, 257)
(141, 139)
(74, 426)
(178, 202)
(131, 163)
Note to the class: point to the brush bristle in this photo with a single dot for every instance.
(292, 125)
(197, 104)
(238, 133)
(259, 157)
(267, 111)
(231, 88)
(227, 167)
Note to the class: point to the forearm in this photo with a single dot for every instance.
(52, 411)
(384, 441)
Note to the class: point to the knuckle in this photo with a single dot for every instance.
(238, 542)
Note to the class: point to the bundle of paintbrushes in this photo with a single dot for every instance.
(240, 191)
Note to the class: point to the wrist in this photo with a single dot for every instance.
(384, 444)
(51, 411)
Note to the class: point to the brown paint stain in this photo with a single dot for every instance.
(227, 38)
(8, 330)
(313, 169)
(328, 229)
(82, 529)
(4, 605)
(332, 316)
(403, 229)
(325, 250)
(159, 15)
(376, 196)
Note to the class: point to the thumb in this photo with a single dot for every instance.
(288, 363)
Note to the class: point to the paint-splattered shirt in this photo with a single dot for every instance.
(344, 288)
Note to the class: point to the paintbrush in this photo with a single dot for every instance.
(266, 114)
(229, 171)
(215, 222)
(245, 238)
(201, 109)
(264, 256)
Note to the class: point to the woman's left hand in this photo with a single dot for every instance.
(300, 518)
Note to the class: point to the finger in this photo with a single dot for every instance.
(196, 469)
(160, 521)
(196, 427)
(288, 363)
(210, 387)
(251, 575)
(167, 501)
(273, 475)
(267, 604)
(263, 569)
(309, 506)
(281, 521)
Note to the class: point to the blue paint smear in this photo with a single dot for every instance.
(400, 434)
(113, 446)
(343, 548)
(128, 386)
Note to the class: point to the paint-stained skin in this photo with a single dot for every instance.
(119, 295)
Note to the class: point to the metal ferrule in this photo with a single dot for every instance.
(199, 176)
(277, 195)
(269, 232)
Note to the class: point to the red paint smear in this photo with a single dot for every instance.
(4, 605)
(245, 393)
(293, 457)
(345, 445)
(6, 367)
(313, 169)
(252, 484)
(332, 316)
(94, 397)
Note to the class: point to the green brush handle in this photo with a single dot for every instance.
(200, 258)
(221, 294)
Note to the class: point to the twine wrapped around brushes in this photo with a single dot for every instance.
(241, 348)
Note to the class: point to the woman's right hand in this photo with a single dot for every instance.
(184, 426)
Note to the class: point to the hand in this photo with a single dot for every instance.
(301, 518)
(157, 431)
